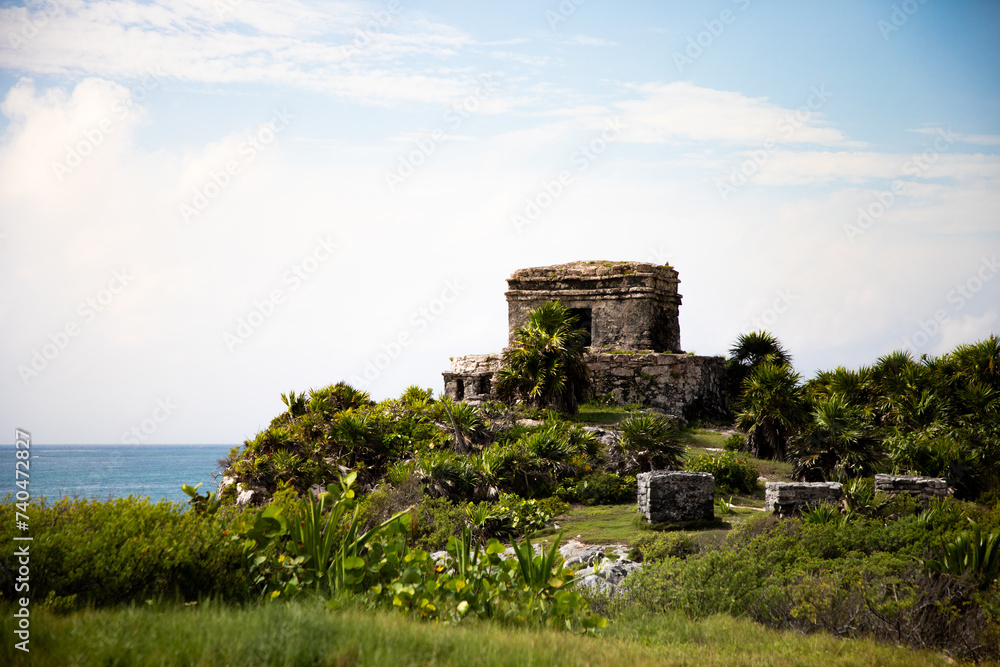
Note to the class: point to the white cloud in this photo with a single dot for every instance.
(344, 49)
(683, 112)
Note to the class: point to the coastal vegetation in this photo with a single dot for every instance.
(436, 522)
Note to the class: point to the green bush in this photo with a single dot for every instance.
(600, 489)
(734, 443)
(646, 442)
(733, 474)
(315, 544)
(855, 578)
(523, 517)
(127, 550)
(651, 548)
(437, 519)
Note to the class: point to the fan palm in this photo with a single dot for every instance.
(751, 350)
(772, 409)
(833, 444)
(544, 367)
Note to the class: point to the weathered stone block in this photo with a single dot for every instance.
(923, 489)
(667, 496)
(623, 305)
(785, 498)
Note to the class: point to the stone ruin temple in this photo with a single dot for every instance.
(630, 313)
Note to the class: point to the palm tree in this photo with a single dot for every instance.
(749, 351)
(834, 444)
(646, 442)
(544, 367)
(773, 408)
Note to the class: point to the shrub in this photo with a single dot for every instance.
(646, 442)
(600, 489)
(522, 517)
(734, 442)
(652, 548)
(126, 550)
(858, 578)
(315, 544)
(436, 520)
(733, 474)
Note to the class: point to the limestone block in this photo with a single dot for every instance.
(785, 498)
(667, 496)
(923, 489)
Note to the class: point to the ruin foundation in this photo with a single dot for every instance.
(667, 496)
(786, 498)
(923, 489)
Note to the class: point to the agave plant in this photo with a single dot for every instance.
(971, 552)
(821, 514)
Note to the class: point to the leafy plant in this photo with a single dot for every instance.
(773, 408)
(821, 514)
(971, 552)
(646, 442)
(656, 547)
(600, 489)
(733, 473)
(544, 365)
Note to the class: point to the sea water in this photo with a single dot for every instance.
(102, 472)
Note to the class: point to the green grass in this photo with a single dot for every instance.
(594, 414)
(601, 524)
(308, 634)
(702, 438)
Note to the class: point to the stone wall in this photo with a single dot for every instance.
(922, 488)
(680, 384)
(785, 498)
(471, 377)
(685, 385)
(667, 496)
(623, 305)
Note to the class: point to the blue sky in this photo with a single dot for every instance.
(205, 204)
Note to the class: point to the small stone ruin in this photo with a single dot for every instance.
(629, 314)
(923, 489)
(668, 496)
(786, 498)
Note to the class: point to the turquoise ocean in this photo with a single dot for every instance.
(102, 472)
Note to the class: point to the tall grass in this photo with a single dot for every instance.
(306, 633)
